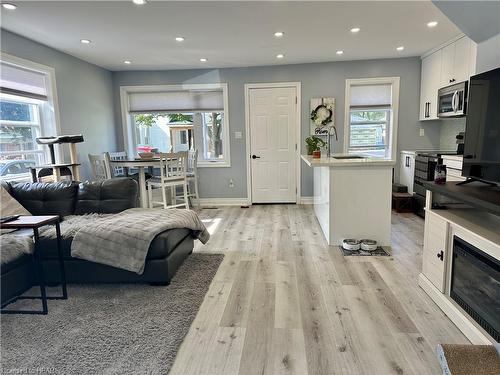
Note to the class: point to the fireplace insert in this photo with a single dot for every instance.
(475, 285)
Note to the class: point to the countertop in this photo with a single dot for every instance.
(333, 162)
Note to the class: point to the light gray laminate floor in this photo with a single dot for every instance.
(283, 302)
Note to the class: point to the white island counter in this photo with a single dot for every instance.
(352, 197)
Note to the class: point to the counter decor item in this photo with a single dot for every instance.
(440, 174)
(314, 145)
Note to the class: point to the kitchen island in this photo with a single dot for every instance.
(352, 197)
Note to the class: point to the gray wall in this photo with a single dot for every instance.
(85, 95)
(319, 79)
(488, 54)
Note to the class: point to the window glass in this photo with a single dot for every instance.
(369, 132)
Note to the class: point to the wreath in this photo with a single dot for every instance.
(321, 115)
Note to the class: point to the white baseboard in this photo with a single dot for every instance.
(458, 317)
(306, 200)
(207, 202)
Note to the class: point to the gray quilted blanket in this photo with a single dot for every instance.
(123, 240)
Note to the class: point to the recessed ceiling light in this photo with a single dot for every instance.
(85, 41)
(128, 62)
(355, 30)
(180, 39)
(280, 56)
(432, 24)
(339, 52)
(139, 2)
(9, 6)
(279, 34)
(203, 59)
(400, 48)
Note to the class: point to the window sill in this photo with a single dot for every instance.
(214, 164)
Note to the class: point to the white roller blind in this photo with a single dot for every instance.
(177, 101)
(371, 96)
(19, 81)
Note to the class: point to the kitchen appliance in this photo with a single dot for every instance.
(452, 100)
(482, 131)
(425, 165)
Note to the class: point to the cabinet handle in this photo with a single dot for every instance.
(440, 255)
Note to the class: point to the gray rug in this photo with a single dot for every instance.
(108, 329)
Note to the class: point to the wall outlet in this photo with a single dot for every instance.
(422, 132)
(231, 183)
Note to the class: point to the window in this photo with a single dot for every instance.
(178, 118)
(371, 117)
(26, 112)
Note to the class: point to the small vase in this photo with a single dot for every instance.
(316, 154)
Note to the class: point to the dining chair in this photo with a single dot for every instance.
(118, 171)
(100, 167)
(192, 175)
(173, 173)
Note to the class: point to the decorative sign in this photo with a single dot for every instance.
(322, 115)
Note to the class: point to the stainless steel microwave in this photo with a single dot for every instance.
(452, 100)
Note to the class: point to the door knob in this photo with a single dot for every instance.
(440, 255)
(255, 157)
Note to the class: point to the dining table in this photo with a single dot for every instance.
(141, 164)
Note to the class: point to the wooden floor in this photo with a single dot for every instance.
(283, 302)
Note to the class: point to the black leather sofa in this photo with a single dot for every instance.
(166, 253)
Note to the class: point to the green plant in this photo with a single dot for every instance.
(314, 144)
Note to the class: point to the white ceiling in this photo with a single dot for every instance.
(228, 34)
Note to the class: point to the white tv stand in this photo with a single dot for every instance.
(479, 228)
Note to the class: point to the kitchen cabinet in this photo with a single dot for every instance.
(458, 61)
(435, 249)
(454, 62)
(407, 169)
(453, 167)
(429, 86)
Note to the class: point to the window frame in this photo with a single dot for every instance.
(127, 123)
(49, 116)
(393, 121)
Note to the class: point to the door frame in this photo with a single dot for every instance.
(297, 86)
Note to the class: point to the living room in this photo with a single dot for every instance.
(299, 148)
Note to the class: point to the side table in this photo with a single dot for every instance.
(35, 222)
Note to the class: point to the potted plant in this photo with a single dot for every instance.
(314, 145)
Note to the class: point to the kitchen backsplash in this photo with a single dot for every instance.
(449, 130)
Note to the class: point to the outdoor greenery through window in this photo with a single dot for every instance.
(20, 125)
(174, 132)
(369, 131)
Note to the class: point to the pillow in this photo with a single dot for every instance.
(10, 206)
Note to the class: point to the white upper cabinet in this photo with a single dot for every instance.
(454, 62)
(429, 86)
(458, 62)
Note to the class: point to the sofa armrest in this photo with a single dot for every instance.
(107, 196)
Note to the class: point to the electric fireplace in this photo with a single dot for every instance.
(475, 285)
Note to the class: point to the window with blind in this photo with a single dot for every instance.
(26, 112)
(370, 116)
(178, 118)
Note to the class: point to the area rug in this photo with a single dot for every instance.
(108, 329)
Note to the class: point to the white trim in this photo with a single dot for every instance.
(207, 202)
(442, 45)
(306, 200)
(52, 97)
(394, 82)
(248, 87)
(128, 140)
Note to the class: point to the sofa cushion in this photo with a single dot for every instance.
(43, 198)
(17, 249)
(160, 248)
(107, 197)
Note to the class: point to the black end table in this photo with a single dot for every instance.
(35, 222)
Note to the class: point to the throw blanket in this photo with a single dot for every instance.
(123, 240)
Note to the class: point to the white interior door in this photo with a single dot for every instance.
(273, 131)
